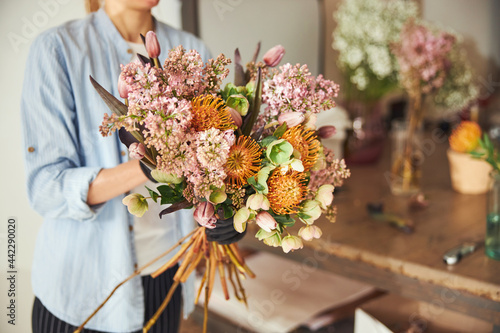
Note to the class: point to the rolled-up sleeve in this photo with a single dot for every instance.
(57, 182)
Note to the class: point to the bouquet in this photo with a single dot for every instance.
(212, 149)
(363, 37)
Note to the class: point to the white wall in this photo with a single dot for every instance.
(229, 24)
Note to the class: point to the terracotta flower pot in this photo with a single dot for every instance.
(468, 175)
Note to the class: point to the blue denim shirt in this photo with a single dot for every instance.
(83, 252)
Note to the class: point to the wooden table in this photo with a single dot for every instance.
(410, 265)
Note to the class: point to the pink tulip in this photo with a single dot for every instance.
(136, 151)
(235, 115)
(152, 45)
(204, 215)
(326, 132)
(273, 57)
(266, 221)
(291, 118)
(123, 89)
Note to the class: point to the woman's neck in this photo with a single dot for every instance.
(130, 23)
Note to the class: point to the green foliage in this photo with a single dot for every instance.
(488, 153)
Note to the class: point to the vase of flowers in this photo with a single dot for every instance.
(468, 175)
(363, 37)
(425, 56)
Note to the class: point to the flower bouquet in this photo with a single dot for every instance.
(212, 149)
(430, 60)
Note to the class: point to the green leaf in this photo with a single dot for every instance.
(254, 110)
(169, 195)
(111, 101)
(280, 130)
(267, 140)
(152, 193)
(227, 211)
(304, 216)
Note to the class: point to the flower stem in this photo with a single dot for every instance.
(137, 272)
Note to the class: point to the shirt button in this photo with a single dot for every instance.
(31, 149)
(130, 228)
(135, 266)
(123, 153)
(129, 51)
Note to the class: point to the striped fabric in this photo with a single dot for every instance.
(155, 291)
(78, 245)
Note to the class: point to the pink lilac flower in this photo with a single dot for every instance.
(294, 89)
(423, 57)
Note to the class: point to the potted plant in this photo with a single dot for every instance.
(469, 175)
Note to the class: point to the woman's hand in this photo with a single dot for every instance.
(112, 182)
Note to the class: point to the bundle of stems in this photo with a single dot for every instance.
(217, 257)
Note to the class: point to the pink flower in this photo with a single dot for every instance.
(230, 137)
(136, 151)
(291, 118)
(326, 132)
(204, 215)
(235, 115)
(123, 88)
(152, 45)
(266, 221)
(273, 57)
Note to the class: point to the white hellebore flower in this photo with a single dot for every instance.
(325, 195)
(309, 232)
(291, 243)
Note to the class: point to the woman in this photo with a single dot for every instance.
(76, 179)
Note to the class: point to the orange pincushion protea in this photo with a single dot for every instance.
(465, 137)
(286, 191)
(305, 142)
(243, 161)
(211, 112)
